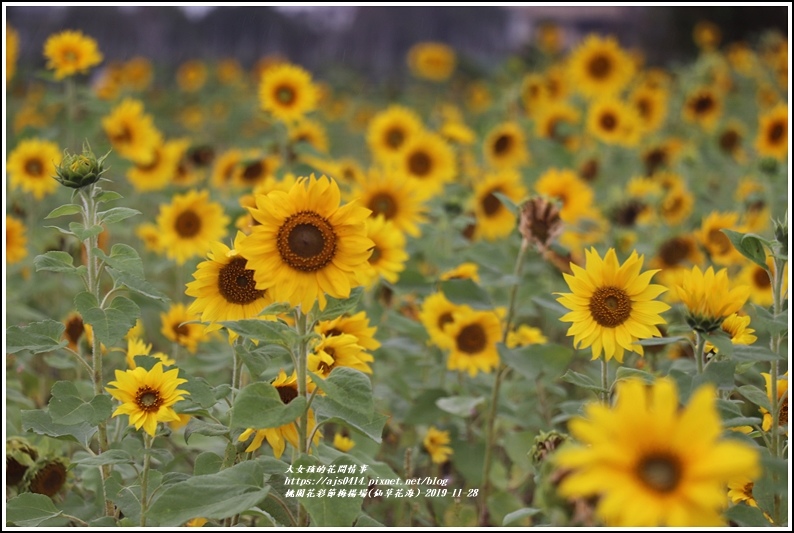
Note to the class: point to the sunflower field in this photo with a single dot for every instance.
(552, 295)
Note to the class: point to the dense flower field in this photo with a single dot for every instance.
(554, 295)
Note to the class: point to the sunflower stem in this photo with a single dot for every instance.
(700, 345)
(147, 443)
(775, 341)
(604, 381)
(303, 421)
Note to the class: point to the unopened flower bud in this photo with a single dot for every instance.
(80, 170)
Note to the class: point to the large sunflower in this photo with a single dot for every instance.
(564, 185)
(505, 146)
(287, 92)
(612, 305)
(390, 129)
(494, 220)
(71, 52)
(599, 67)
(429, 160)
(471, 338)
(147, 396)
(31, 167)
(388, 255)
(772, 139)
(158, 172)
(16, 241)
(132, 132)
(306, 245)
(189, 224)
(398, 200)
(652, 463)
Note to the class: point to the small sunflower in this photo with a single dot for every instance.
(710, 298)
(31, 167)
(465, 270)
(388, 255)
(310, 132)
(613, 122)
(599, 67)
(493, 219)
(575, 195)
(760, 285)
(12, 52)
(559, 122)
(677, 204)
(782, 393)
(719, 246)
(254, 169)
(737, 328)
(287, 92)
(343, 443)
(150, 235)
(159, 171)
(71, 52)
(772, 139)
(432, 61)
(731, 139)
(429, 160)
(229, 71)
(389, 130)
(147, 396)
(189, 224)
(676, 252)
(652, 463)
(435, 314)
(226, 164)
(703, 107)
(651, 107)
(132, 132)
(471, 338)
(612, 305)
(436, 443)
(398, 200)
(338, 351)
(16, 240)
(191, 75)
(356, 325)
(175, 327)
(505, 146)
(525, 335)
(706, 35)
(306, 245)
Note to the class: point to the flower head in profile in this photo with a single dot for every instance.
(612, 305)
(71, 52)
(651, 462)
(147, 396)
(436, 443)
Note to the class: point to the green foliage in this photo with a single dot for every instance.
(109, 324)
(29, 510)
(69, 408)
(259, 406)
(38, 337)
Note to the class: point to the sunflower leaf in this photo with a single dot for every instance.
(136, 284)
(466, 292)
(67, 209)
(269, 332)
(259, 406)
(755, 395)
(38, 337)
(348, 399)
(763, 319)
(30, 510)
(329, 511)
(82, 233)
(110, 324)
(745, 516)
(110, 457)
(535, 359)
(69, 408)
(516, 516)
(39, 421)
(116, 214)
(580, 380)
(749, 245)
(122, 257)
(198, 426)
(108, 196)
(659, 341)
(746, 353)
(337, 307)
(55, 261)
(460, 405)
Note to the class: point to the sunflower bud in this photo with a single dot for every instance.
(79, 170)
(20, 456)
(540, 222)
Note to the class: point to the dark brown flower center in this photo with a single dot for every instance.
(644, 107)
(471, 339)
(599, 67)
(148, 399)
(236, 283)
(287, 393)
(674, 251)
(383, 204)
(394, 137)
(702, 104)
(420, 164)
(729, 141)
(376, 255)
(180, 330)
(589, 171)
(719, 242)
(443, 320)
(608, 121)
(285, 95)
(776, 132)
(49, 480)
(151, 165)
(655, 159)
(503, 144)
(188, 224)
(253, 171)
(202, 155)
(34, 167)
(122, 137)
(761, 279)
(306, 241)
(74, 329)
(610, 306)
(660, 472)
(491, 204)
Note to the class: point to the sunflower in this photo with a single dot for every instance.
(575, 195)
(494, 220)
(478, 97)
(676, 205)
(191, 75)
(310, 132)
(389, 130)
(737, 328)
(436, 443)
(740, 490)
(398, 200)
(782, 393)
(706, 35)
(462, 271)
(12, 52)
(534, 93)
(254, 168)
(159, 171)
(651, 462)
(432, 61)
(709, 297)
(703, 107)
(505, 146)
(287, 92)
(71, 52)
(388, 256)
(338, 351)
(612, 305)
(558, 121)
(356, 325)
(46, 476)
(651, 107)
(772, 139)
(306, 245)
(613, 122)
(429, 160)
(179, 326)
(132, 132)
(229, 71)
(73, 330)
(189, 224)
(137, 73)
(676, 252)
(31, 167)
(471, 338)
(287, 388)
(760, 285)
(599, 67)
(223, 172)
(719, 246)
(147, 396)
(150, 235)
(343, 443)
(435, 314)
(525, 335)
(16, 240)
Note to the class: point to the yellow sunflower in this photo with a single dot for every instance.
(306, 245)
(677, 204)
(159, 171)
(175, 329)
(147, 396)
(229, 71)
(73, 330)
(436, 443)
(432, 61)
(676, 252)
(505, 146)
(719, 246)
(575, 195)
(389, 130)
(471, 338)
(559, 122)
(16, 240)
(388, 256)
(343, 443)
(613, 122)
(337, 351)
(191, 75)
(435, 314)
(534, 93)
(652, 463)
(254, 169)
(310, 132)
(429, 160)
(760, 285)
(226, 164)
(737, 328)
(12, 52)
(132, 132)
(612, 305)
(356, 325)
(150, 235)
(703, 107)
(189, 224)
(782, 393)
(706, 35)
(709, 297)
(651, 107)
(462, 271)
(277, 438)
(287, 92)
(397, 199)
(525, 335)
(600, 67)
(772, 139)
(493, 219)
(71, 52)
(137, 73)
(31, 167)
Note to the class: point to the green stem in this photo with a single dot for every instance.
(604, 381)
(147, 441)
(303, 421)
(700, 345)
(775, 341)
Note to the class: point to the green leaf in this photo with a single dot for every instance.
(62, 230)
(214, 496)
(206, 462)
(720, 373)
(259, 406)
(348, 400)
(328, 512)
(200, 391)
(67, 209)
(516, 516)
(659, 341)
(30, 510)
(460, 405)
(110, 457)
(38, 337)
(122, 257)
(39, 421)
(364, 520)
(116, 214)
(763, 319)
(108, 196)
(629, 373)
(55, 261)
(423, 409)
(336, 307)
(196, 425)
(136, 284)
(580, 380)
(721, 340)
(749, 245)
(756, 353)
(466, 292)
(535, 359)
(755, 395)
(270, 332)
(82, 233)
(741, 421)
(507, 202)
(746, 516)
(257, 360)
(111, 324)
(68, 408)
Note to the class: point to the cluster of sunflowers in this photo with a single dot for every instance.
(383, 280)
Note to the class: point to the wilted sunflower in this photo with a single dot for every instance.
(710, 298)
(652, 463)
(388, 131)
(429, 160)
(772, 139)
(189, 224)
(287, 92)
(599, 67)
(436, 443)
(175, 328)
(494, 220)
(703, 107)
(613, 122)
(471, 338)
(31, 167)
(397, 199)
(132, 132)
(306, 245)
(612, 305)
(158, 172)
(505, 146)
(191, 75)
(432, 61)
(16, 240)
(71, 52)
(73, 330)
(338, 351)
(575, 195)
(147, 396)
(388, 255)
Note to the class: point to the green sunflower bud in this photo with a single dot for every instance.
(781, 234)
(80, 170)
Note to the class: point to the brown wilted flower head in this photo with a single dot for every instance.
(540, 222)
(47, 477)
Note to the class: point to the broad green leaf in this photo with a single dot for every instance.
(202, 427)
(38, 337)
(214, 496)
(270, 332)
(39, 421)
(741, 421)
(729, 408)
(200, 391)
(82, 233)
(30, 510)
(764, 320)
(206, 462)
(67, 209)
(535, 359)
(126, 496)
(722, 341)
(67, 407)
(122, 257)
(110, 457)
(108, 196)
(329, 512)
(111, 324)
(116, 214)
(55, 261)
(659, 341)
(257, 359)
(749, 245)
(754, 353)
(517, 516)
(746, 516)
(624, 372)
(755, 395)
(466, 292)
(364, 520)
(580, 380)
(424, 409)
(259, 406)
(464, 406)
(136, 284)
(336, 307)
(720, 373)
